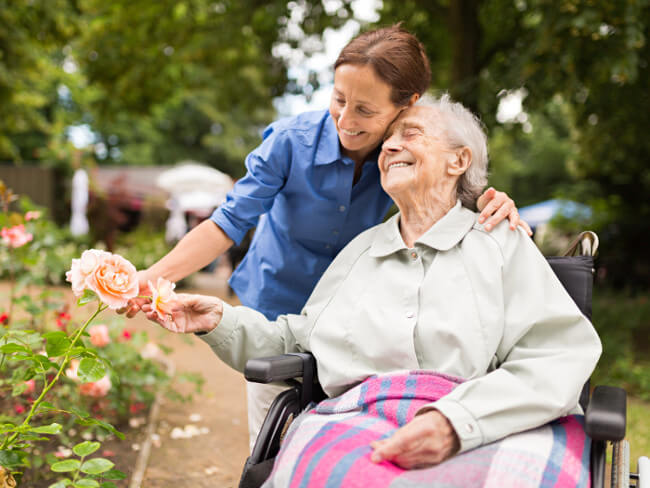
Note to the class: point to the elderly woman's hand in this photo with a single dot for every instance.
(426, 440)
(188, 313)
(496, 206)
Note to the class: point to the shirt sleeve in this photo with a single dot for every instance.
(547, 352)
(267, 169)
(244, 333)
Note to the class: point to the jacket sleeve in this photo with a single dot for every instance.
(244, 333)
(267, 170)
(546, 353)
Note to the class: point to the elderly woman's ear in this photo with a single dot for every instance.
(460, 162)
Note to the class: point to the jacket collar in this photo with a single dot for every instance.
(442, 236)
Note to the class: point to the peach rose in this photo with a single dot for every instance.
(110, 276)
(15, 236)
(99, 335)
(163, 297)
(96, 389)
(82, 268)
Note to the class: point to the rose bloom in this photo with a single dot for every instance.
(99, 335)
(163, 297)
(97, 389)
(4, 318)
(15, 236)
(32, 215)
(150, 351)
(126, 335)
(71, 372)
(110, 276)
(31, 386)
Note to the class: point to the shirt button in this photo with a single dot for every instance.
(410, 315)
(414, 255)
(469, 428)
(342, 208)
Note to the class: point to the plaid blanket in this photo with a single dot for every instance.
(328, 446)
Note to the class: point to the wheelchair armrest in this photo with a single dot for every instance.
(280, 368)
(605, 418)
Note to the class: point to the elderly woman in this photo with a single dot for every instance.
(435, 337)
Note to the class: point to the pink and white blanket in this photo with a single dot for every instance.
(329, 445)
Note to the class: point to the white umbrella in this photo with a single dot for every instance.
(195, 186)
(191, 176)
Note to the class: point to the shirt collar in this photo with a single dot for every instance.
(442, 236)
(329, 146)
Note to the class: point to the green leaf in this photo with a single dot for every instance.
(57, 343)
(87, 482)
(11, 459)
(96, 466)
(13, 347)
(66, 466)
(46, 406)
(87, 297)
(114, 474)
(108, 484)
(61, 483)
(47, 429)
(90, 370)
(85, 448)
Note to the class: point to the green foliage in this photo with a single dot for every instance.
(623, 323)
(51, 379)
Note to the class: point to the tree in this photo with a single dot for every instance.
(32, 37)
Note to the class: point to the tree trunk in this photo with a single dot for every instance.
(465, 33)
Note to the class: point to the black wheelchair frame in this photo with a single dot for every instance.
(605, 409)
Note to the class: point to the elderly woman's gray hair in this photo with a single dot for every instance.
(461, 128)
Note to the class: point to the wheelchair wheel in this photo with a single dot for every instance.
(621, 465)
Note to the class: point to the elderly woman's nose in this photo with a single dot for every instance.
(392, 144)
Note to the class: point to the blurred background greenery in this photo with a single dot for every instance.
(158, 82)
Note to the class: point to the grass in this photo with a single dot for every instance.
(638, 430)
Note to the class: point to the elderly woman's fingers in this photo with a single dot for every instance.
(426, 440)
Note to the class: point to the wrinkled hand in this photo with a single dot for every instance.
(496, 206)
(135, 304)
(190, 313)
(425, 441)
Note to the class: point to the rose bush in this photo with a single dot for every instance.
(61, 378)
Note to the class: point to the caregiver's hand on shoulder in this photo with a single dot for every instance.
(187, 313)
(495, 206)
(426, 440)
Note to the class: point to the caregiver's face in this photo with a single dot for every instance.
(361, 108)
(414, 154)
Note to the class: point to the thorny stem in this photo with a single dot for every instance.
(100, 308)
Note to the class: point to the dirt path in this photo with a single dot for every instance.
(215, 456)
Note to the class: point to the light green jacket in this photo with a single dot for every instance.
(482, 306)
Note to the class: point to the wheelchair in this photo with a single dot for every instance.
(605, 409)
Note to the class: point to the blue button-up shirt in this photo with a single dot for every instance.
(298, 191)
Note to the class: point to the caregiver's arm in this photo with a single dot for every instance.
(547, 351)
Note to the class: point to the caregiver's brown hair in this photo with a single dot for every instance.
(397, 58)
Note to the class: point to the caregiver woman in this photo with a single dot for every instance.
(313, 185)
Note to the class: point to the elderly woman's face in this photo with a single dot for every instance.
(414, 154)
